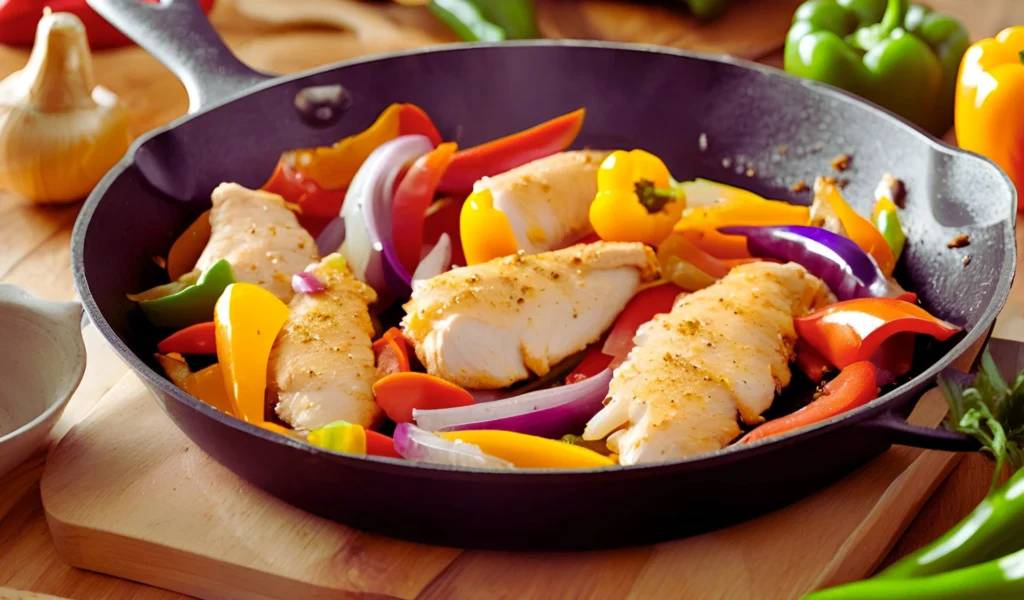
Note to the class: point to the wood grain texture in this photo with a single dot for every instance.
(34, 242)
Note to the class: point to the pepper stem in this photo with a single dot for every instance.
(652, 198)
(870, 36)
(895, 14)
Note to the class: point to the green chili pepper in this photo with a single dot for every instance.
(901, 56)
(887, 220)
(466, 20)
(195, 303)
(707, 9)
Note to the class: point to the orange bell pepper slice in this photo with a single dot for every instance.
(208, 386)
(392, 353)
(700, 225)
(855, 386)
(858, 229)
(399, 393)
(848, 332)
(988, 116)
(185, 251)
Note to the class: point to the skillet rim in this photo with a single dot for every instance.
(864, 413)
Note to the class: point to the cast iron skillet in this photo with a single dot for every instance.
(636, 96)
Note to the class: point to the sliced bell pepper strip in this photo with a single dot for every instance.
(634, 202)
(411, 201)
(399, 393)
(413, 120)
(339, 436)
(500, 155)
(248, 319)
(484, 230)
(378, 444)
(208, 386)
(278, 429)
(704, 192)
(700, 225)
(167, 289)
(392, 353)
(174, 367)
(640, 309)
(858, 229)
(678, 246)
(185, 251)
(529, 451)
(594, 362)
(851, 331)
(811, 362)
(195, 339)
(854, 386)
(887, 221)
(195, 303)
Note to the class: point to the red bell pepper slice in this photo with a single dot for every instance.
(392, 353)
(509, 152)
(378, 444)
(641, 309)
(413, 120)
(200, 338)
(854, 386)
(594, 361)
(412, 199)
(399, 393)
(851, 331)
(314, 200)
(813, 364)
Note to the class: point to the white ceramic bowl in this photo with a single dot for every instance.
(42, 360)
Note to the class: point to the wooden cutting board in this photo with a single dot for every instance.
(126, 493)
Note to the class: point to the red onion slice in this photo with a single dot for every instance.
(416, 444)
(549, 413)
(305, 282)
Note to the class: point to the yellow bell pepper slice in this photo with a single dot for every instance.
(208, 385)
(247, 319)
(485, 231)
(989, 94)
(704, 192)
(339, 436)
(858, 229)
(700, 225)
(529, 451)
(635, 201)
(174, 367)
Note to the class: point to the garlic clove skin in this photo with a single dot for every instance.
(59, 133)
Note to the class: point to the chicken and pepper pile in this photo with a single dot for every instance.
(517, 305)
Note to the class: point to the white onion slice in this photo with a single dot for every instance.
(436, 261)
(416, 444)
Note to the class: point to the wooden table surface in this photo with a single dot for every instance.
(34, 242)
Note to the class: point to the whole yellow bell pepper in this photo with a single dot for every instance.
(485, 231)
(989, 118)
(635, 200)
(247, 319)
(529, 451)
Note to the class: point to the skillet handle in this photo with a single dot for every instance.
(895, 428)
(178, 34)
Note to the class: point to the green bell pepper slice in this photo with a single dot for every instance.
(903, 57)
(195, 303)
(887, 221)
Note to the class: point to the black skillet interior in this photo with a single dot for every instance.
(664, 102)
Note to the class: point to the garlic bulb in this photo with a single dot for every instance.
(59, 133)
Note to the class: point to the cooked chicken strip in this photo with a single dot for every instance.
(547, 201)
(490, 325)
(720, 353)
(259, 236)
(322, 366)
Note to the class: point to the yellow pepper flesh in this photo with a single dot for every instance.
(208, 385)
(247, 319)
(619, 214)
(988, 117)
(529, 451)
(485, 231)
(858, 229)
(339, 436)
(700, 225)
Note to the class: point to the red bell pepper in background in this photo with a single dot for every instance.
(200, 338)
(506, 153)
(594, 361)
(399, 393)
(413, 197)
(378, 444)
(851, 331)
(18, 20)
(641, 309)
(392, 353)
(854, 386)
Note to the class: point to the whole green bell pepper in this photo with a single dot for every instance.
(707, 9)
(900, 56)
(195, 303)
(487, 20)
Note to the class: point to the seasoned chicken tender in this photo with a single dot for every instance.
(322, 365)
(255, 232)
(490, 325)
(721, 353)
(547, 201)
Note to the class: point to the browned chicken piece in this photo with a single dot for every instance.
(721, 353)
(255, 232)
(322, 365)
(490, 325)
